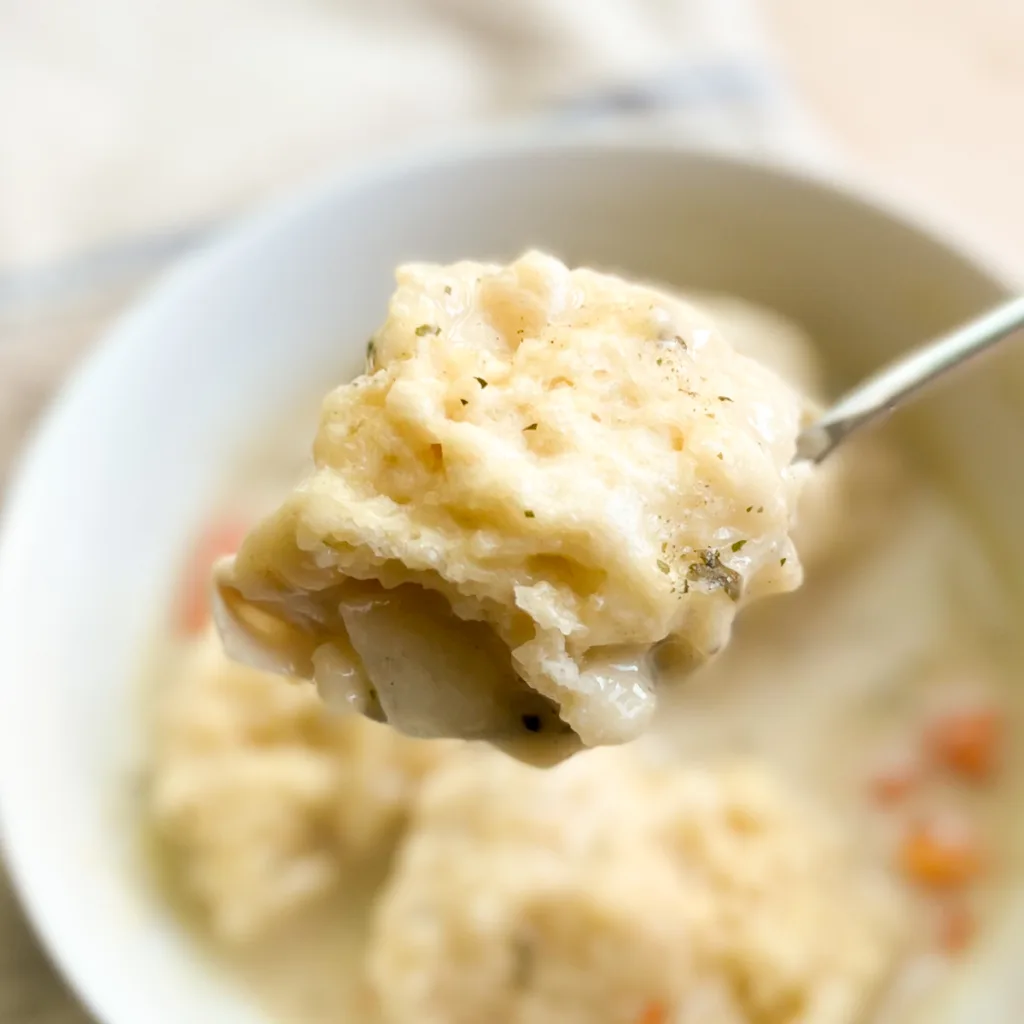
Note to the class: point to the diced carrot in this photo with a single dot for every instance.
(942, 858)
(895, 781)
(223, 538)
(968, 742)
(957, 927)
(653, 1013)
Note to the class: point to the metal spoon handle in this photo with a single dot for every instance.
(900, 381)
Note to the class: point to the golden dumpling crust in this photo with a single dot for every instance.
(582, 464)
(262, 799)
(590, 892)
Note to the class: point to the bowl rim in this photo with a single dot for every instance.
(251, 231)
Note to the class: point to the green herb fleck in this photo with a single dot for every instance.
(681, 341)
(663, 566)
(660, 361)
(738, 545)
(782, 561)
(750, 508)
(447, 289)
(464, 401)
(532, 426)
(427, 329)
(686, 586)
(530, 514)
(711, 571)
(724, 398)
(720, 456)
(480, 381)
(760, 509)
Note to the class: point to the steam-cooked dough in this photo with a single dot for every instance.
(592, 892)
(562, 469)
(263, 798)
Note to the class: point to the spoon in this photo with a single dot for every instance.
(898, 383)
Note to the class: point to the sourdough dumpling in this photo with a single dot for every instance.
(264, 799)
(610, 890)
(581, 466)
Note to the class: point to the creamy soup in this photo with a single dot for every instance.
(814, 831)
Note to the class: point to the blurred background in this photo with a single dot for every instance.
(133, 129)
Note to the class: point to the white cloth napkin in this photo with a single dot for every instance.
(127, 117)
(129, 126)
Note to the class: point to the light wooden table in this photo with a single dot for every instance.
(926, 95)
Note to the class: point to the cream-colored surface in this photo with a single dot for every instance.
(584, 464)
(918, 93)
(584, 894)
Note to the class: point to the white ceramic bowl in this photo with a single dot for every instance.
(132, 451)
